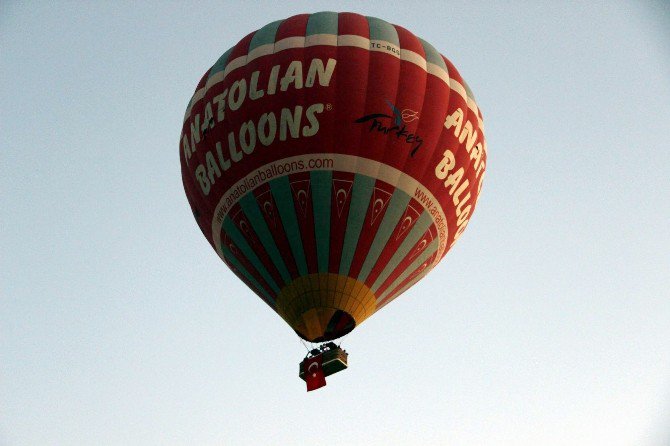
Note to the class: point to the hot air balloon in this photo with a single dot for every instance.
(332, 160)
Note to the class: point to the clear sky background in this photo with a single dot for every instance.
(547, 324)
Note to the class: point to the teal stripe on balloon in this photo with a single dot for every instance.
(281, 191)
(252, 211)
(321, 183)
(220, 64)
(394, 212)
(238, 265)
(433, 56)
(469, 92)
(419, 228)
(360, 200)
(425, 255)
(249, 253)
(382, 30)
(264, 35)
(322, 23)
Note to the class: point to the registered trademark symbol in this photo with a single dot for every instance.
(329, 106)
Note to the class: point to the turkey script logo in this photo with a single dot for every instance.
(395, 124)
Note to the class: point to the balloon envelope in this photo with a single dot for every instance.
(332, 160)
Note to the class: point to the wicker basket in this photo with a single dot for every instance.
(333, 361)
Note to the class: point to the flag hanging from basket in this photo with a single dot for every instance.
(314, 375)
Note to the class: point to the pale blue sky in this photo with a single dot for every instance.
(547, 324)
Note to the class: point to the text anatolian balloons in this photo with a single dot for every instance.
(332, 160)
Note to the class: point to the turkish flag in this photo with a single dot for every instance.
(314, 373)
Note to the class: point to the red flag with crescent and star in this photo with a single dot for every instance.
(314, 373)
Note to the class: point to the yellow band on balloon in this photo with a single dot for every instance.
(309, 302)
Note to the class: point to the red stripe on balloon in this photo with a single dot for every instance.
(351, 85)
(417, 250)
(421, 269)
(342, 188)
(292, 27)
(379, 200)
(301, 190)
(272, 218)
(228, 242)
(244, 225)
(403, 228)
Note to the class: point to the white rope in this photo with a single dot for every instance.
(305, 345)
